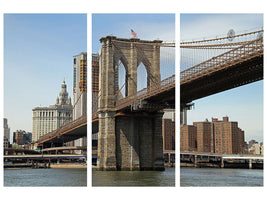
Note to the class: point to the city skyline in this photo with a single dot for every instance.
(242, 104)
(26, 24)
(38, 55)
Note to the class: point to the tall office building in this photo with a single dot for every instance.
(80, 91)
(80, 85)
(47, 119)
(6, 134)
(6, 130)
(95, 91)
(95, 81)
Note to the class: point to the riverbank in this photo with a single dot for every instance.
(226, 165)
(46, 165)
(68, 165)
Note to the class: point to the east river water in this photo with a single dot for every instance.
(134, 178)
(188, 177)
(45, 177)
(221, 177)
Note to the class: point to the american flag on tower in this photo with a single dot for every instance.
(133, 33)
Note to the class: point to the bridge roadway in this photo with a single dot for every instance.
(156, 97)
(60, 149)
(69, 132)
(239, 66)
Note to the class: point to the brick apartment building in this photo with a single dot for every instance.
(168, 129)
(214, 137)
(188, 138)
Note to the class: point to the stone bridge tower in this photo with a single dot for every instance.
(128, 140)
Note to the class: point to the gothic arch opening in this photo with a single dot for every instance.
(120, 80)
(142, 77)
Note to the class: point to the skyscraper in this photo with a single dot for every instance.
(47, 119)
(80, 91)
(6, 134)
(95, 81)
(79, 85)
(6, 130)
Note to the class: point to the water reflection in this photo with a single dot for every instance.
(45, 177)
(134, 178)
(220, 177)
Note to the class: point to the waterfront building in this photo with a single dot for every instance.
(18, 137)
(47, 119)
(222, 137)
(251, 142)
(27, 138)
(95, 81)
(256, 149)
(6, 130)
(95, 92)
(262, 149)
(188, 138)
(6, 143)
(21, 137)
(228, 138)
(168, 129)
(204, 136)
(80, 85)
(80, 91)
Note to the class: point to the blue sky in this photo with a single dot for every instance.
(243, 104)
(147, 27)
(39, 49)
(38, 54)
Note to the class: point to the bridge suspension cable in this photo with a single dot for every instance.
(194, 52)
(223, 38)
